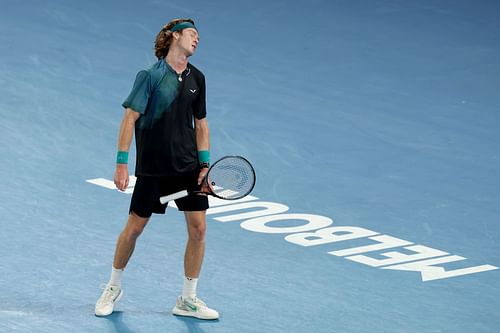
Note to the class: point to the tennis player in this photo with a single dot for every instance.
(167, 110)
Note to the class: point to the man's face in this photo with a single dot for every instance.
(189, 40)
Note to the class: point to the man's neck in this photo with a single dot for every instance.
(178, 61)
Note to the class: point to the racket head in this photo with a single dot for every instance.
(231, 178)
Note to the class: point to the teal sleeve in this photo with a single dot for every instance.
(138, 98)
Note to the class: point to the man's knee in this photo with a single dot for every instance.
(197, 226)
(135, 226)
(197, 233)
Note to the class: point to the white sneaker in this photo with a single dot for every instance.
(106, 302)
(194, 307)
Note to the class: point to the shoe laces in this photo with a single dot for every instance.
(196, 301)
(108, 294)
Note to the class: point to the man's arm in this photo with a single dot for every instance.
(202, 141)
(125, 136)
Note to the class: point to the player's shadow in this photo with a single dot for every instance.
(116, 318)
(193, 324)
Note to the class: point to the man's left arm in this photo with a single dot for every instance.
(202, 142)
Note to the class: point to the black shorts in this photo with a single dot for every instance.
(148, 190)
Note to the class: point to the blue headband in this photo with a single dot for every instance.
(183, 25)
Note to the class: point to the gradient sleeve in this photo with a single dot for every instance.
(138, 98)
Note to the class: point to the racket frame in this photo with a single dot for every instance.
(185, 193)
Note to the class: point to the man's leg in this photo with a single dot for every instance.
(195, 247)
(127, 239)
(188, 304)
(124, 248)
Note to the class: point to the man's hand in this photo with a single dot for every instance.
(201, 181)
(121, 177)
(203, 174)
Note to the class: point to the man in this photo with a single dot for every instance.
(167, 110)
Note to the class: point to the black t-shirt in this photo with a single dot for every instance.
(164, 133)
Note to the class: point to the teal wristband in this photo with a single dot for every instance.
(122, 157)
(203, 156)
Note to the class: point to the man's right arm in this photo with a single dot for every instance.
(125, 136)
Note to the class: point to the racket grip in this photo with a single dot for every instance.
(173, 196)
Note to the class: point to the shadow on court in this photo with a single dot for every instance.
(193, 324)
(116, 321)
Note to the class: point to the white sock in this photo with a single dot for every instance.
(189, 289)
(116, 277)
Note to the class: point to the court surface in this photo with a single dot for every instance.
(374, 127)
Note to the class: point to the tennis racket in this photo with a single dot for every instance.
(229, 178)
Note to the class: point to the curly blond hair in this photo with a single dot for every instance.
(164, 37)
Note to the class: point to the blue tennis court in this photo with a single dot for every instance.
(374, 129)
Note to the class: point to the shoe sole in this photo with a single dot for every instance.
(116, 301)
(178, 312)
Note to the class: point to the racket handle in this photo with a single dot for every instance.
(173, 196)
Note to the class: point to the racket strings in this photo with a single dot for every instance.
(232, 177)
